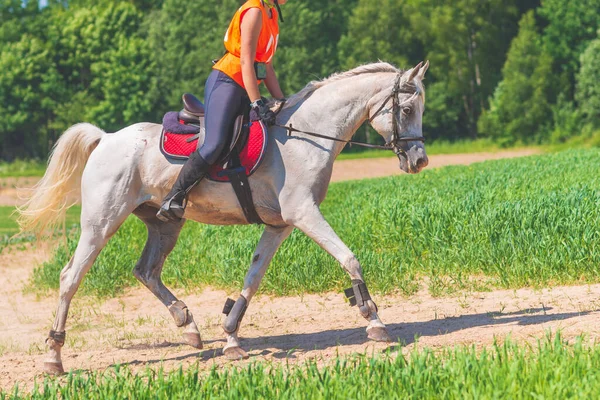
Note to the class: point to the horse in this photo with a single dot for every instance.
(116, 174)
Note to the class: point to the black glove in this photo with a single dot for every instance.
(260, 111)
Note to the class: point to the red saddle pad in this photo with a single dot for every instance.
(180, 146)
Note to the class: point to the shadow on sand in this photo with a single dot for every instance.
(404, 333)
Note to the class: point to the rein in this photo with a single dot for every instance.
(393, 144)
(291, 129)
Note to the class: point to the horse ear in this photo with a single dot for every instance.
(414, 71)
(421, 74)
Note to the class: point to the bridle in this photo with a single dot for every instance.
(395, 141)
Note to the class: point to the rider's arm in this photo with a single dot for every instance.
(272, 83)
(251, 25)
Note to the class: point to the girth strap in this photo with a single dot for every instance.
(237, 175)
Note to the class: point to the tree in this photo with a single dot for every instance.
(183, 38)
(29, 85)
(570, 26)
(520, 109)
(124, 76)
(106, 64)
(466, 42)
(380, 31)
(309, 41)
(17, 19)
(588, 83)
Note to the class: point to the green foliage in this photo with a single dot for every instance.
(570, 26)
(89, 64)
(465, 41)
(309, 41)
(106, 64)
(184, 37)
(22, 168)
(123, 76)
(17, 18)
(518, 222)
(553, 368)
(520, 109)
(376, 30)
(29, 84)
(566, 118)
(114, 63)
(588, 83)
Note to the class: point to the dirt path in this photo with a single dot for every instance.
(136, 330)
(377, 167)
(342, 170)
(8, 189)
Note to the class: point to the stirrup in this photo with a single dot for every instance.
(170, 212)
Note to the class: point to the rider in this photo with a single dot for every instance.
(250, 41)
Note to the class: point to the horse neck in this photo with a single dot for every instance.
(339, 108)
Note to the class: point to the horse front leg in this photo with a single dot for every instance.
(270, 241)
(310, 220)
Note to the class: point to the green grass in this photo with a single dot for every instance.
(434, 148)
(531, 221)
(550, 370)
(9, 226)
(22, 168)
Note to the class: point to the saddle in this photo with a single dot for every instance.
(183, 132)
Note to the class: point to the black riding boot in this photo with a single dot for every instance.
(173, 205)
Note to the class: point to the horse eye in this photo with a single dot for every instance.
(406, 110)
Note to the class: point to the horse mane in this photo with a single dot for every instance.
(372, 68)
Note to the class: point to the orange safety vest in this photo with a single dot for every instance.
(230, 63)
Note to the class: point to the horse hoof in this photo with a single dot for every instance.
(379, 335)
(193, 339)
(53, 368)
(235, 354)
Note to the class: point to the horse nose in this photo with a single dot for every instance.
(422, 163)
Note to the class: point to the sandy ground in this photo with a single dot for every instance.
(377, 167)
(9, 195)
(136, 330)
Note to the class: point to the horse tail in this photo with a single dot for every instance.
(60, 187)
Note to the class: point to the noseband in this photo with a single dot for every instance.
(396, 140)
(394, 143)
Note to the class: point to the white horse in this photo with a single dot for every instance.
(114, 175)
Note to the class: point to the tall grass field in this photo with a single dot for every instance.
(549, 370)
(530, 221)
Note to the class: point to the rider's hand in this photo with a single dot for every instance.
(262, 112)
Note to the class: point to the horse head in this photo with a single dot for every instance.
(397, 115)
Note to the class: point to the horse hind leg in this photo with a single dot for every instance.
(162, 238)
(95, 233)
